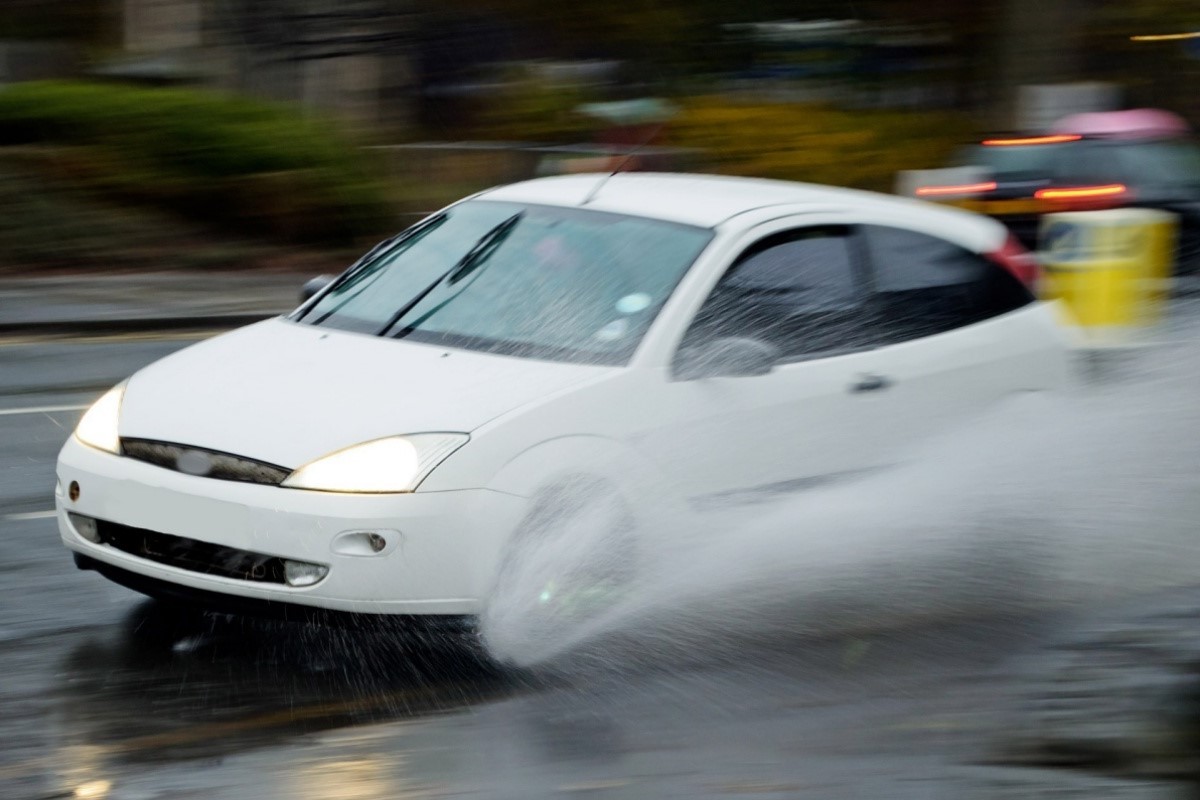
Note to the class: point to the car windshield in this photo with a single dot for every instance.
(537, 281)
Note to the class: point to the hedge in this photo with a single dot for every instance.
(255, 166)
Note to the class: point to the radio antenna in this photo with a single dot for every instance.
(621, 164)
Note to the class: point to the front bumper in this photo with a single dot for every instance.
(442, 553)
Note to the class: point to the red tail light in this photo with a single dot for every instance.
(1016, 259)
(962, 188)
(1057, 138)
(1076, 193)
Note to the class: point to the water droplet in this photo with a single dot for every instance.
(612, 331)
(633, 303)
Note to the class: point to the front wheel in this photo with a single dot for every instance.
(571, 561)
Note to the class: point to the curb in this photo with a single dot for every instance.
(134, 324)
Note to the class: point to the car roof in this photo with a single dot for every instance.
(704, 200)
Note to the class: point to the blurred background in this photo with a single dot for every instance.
(201, 134)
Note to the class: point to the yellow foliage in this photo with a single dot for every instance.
(817, 144)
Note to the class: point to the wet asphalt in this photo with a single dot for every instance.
(105, 694)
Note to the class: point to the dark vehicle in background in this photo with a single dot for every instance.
(1141, 158)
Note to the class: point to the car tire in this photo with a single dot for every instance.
(572, 559)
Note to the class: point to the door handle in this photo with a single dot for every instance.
(870, 383)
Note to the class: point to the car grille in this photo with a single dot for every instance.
(192, 555)
(204, 463)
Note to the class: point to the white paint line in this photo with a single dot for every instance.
(8, 412)
(31, 515)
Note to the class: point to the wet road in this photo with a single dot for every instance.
(104, 694)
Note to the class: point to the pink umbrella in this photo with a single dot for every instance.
(1132, 124)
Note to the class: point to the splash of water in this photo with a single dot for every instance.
(1044, 501)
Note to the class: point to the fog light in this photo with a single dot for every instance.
(73, 491)
(85, 527)
(301, 573)
(376, 542)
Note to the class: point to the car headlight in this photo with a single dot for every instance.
(394, 464)
(98, 426)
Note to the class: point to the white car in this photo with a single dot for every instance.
(384, 448)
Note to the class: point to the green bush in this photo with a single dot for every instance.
(254, 166)
(44, 225)
(860, 149)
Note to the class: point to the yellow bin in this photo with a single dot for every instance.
(1111, 269)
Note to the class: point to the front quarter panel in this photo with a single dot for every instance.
(591, 431)
(654, 504)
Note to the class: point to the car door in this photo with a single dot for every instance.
(802, 291)
(955, 333)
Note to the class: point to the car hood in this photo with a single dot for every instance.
(287, 393)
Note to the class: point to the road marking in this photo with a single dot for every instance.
(31, 515)
(8, 412)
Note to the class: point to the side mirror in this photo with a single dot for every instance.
(726, 357)
(314, 285)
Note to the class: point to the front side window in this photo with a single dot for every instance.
(797, 291)
(536, 281)
(924, 285)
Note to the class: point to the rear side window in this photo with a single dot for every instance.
(923, 285)
(797, 290)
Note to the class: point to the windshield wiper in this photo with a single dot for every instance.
(474, 258)
(357, 270)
